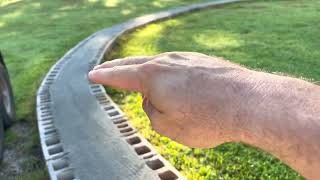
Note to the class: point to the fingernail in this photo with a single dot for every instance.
(96, 67)
(91, 74)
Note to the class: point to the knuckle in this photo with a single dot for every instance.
(148, 68)
(168, 54)
(175, 55)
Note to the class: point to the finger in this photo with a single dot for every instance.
(124, 61)
(151, 111)
(157, 118)
(123, 77)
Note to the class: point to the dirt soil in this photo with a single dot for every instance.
(20, 156)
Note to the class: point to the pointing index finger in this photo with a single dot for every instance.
(124, 77)
(124, 61)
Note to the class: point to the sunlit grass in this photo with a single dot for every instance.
(112, 3)
(6, 2)
(35, 34)
(273, 36)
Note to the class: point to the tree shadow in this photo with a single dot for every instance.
(277, 36)
(269, 37)
(34, 34)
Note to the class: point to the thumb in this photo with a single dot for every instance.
(124, 77)
(156, 117)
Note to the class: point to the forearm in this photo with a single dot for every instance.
(203, 101)
(283, 118)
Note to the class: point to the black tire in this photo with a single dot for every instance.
(7, 107)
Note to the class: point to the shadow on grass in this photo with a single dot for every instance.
(277, 36)
(34, 34)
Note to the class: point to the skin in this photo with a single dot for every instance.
(203, 101)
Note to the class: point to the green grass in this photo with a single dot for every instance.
(273, 36)
(34, 34)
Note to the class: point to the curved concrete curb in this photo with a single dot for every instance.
(84, 135)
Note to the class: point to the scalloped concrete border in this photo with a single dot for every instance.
(60, 113)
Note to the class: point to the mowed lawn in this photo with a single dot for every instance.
(272, 36)
(34, 34)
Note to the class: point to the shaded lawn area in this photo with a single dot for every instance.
(34, 34)
(272, 36)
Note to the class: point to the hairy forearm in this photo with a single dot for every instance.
(282, 116)
(203, 101)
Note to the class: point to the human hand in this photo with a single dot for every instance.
(189, 97)
(203, 101)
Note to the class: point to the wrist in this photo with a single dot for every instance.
(254, 95)
(234, 96)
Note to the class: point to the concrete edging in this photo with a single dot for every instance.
(59, 112)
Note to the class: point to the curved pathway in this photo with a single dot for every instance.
(84, 135)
